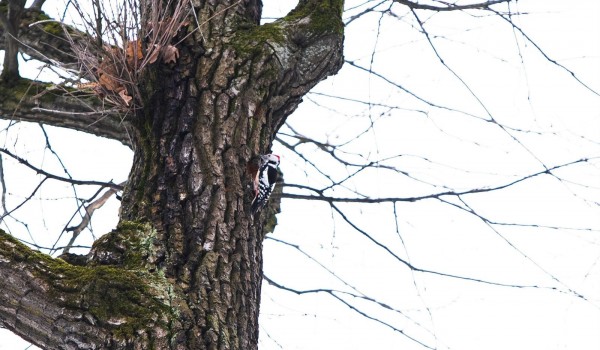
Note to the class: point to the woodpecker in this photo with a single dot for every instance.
(264, 180)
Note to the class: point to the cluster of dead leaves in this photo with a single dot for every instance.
(119, 67)
(168, 53)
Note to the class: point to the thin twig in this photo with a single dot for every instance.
(89, 211)
(60, 178)
(451, 7)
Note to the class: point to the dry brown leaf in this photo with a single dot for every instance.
(134, 53)
(125, 97)
(108, 82)
(154, 54)
(107, 76)
(170, 54)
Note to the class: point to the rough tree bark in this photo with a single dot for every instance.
(183, 269)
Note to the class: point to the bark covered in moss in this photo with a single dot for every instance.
(58, 305)
(187, 247)
(43, 38)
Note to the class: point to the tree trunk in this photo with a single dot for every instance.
(10, 21)
(183, 270)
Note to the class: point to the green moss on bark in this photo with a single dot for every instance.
(125, 301)
(313, 17)
(49, 25)
(10, 95)
(130, 246)
(45, 93)
(53, 28)
(324, 16)
(253, 40)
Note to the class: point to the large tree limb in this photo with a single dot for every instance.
(308, 41)
(307, 47)
(45, 103)
(44, 39)
(10, 20)
(85, 307)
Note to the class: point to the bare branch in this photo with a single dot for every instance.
(419, 98)
(10, 21)
(470, 210)
(543, 53)
(332, 273)
(451, 7)
(60, 178)
(568, 290)
(8, 213)
(330, 199)
(358, 294)
(37, 5)
(89, 211)
(334, 293)
(3, 184)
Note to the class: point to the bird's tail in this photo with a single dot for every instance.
(255, 206)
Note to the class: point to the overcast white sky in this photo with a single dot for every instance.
(520, 89)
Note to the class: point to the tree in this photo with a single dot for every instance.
(184, 266)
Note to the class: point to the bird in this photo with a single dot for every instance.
(264, 173)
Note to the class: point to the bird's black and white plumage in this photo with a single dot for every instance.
(264, 180)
